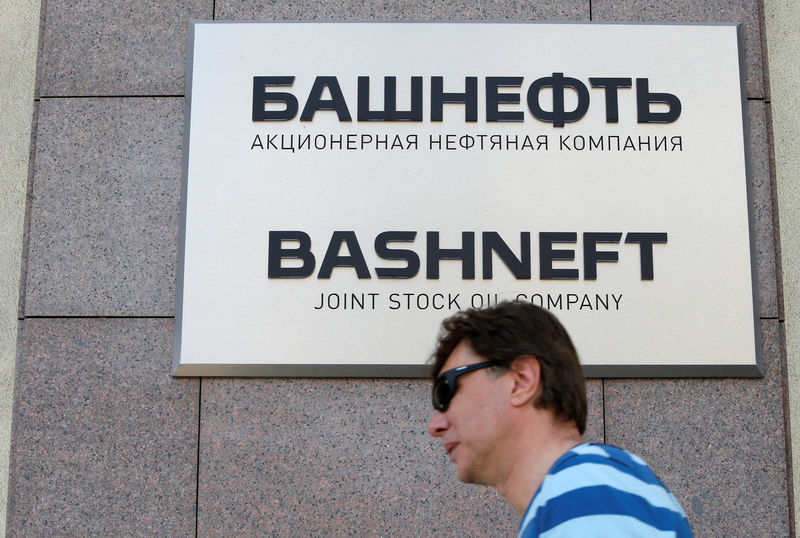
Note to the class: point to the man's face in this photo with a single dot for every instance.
(472, 427)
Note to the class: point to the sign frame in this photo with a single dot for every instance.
(183, 368)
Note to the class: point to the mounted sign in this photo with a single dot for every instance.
(348, 185)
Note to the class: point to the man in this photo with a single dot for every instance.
(510, 408)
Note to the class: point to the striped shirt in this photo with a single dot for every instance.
(600, 490)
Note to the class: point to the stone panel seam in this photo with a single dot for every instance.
(603, 399)
(23, 274)
(787, 426)
(776, 244)
(40, 48)
(197, 459)
(11, 497)
(776, 221)
(142, 96)
(98, 317)
(762, 29)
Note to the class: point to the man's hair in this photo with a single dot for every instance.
(511, 329)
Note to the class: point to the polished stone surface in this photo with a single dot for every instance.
(337, 457)
(571, 10)
(332, 457)
(718, 444)
(781, 20)
(762, 192)
(594, 421)
(105, 208)
(104, 441)
(707, 11)
(114, 47)
(23, 274)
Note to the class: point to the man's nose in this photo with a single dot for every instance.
(438, 424)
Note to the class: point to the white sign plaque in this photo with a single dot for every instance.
(348, 185)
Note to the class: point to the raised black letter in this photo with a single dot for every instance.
(466, 254)
(315, 101)
(261, 97)
(494, 98)
(612, 102)
(381, 249)
(646, 241)
(469, 98)
(644, 98)
(333, 259)
(520, 268)
(389, 112)
(276, 253)
(558, 82)
(547, 255)
(590, 254)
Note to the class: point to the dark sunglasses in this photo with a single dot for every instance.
(444, 388)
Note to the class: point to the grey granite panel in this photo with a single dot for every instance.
(104, 441)
(735, 11)
(104, 218)
(763, 207)
(719, 444)
(332, 457)
(572, 10)
(115, 47)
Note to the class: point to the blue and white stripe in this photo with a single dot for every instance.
(599, 490)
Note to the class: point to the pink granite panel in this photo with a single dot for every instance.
(105, 208)
(762, 189)
(104, 441)
(306, 457)
(719, 444)
(114, 47)
(572, 10)
(337, 457)
(708, 11)
(594, 421)
(775, 217)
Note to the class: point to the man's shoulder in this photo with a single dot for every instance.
(602, 455)
(595, 486)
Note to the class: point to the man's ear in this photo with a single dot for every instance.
(526, 372)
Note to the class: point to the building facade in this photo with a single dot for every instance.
(104, 441)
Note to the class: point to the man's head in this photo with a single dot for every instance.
(531, 395)
(515, 330)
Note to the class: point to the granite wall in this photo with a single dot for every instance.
(781, 19)
(105, 442)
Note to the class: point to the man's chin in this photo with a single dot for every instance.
(467, 475)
